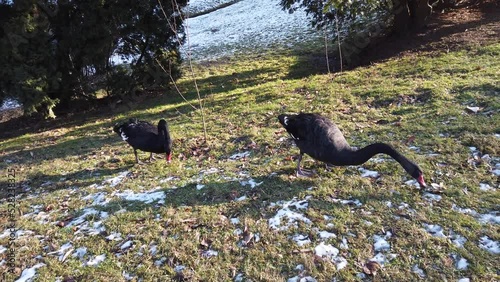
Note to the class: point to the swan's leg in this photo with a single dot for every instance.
(329, 166)
(301, 172)
(151, 157)
(136, 158)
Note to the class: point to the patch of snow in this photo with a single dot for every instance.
(160, 262)
(382, 259)
(489, 245)
(222, 32)
(153, 249)
(413, 183)
(492, 217)
(419, 271)
(348, 202)
(432, 197)
(286, 213)
(301, 279)
(18, 233)
(457, 239)
(29, 273)
(235, 220)
(65, 248)
(340, 263)
(209, 253)
(301, 240)
(239, 277)
(344, 244)
(485, 187)
(381, 243)
(250, 182)
(127, 276)
(465, 279)
(368, 173)
(179, 268)
(434, 229)
(117, 179)
(80, 252)
(8, 104)
(328, 251)
(114, 236)
(82, 218)
(97, 198)
(199, 186)
(126, 245)
(300, 267)
(238, 156)
(145, 197)
(461, 264)
(242, 198)
(331, 253)
(170, 178)
(2, 249)
(464, 210)
(326, 235)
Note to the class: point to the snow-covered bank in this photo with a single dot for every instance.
(244, 26)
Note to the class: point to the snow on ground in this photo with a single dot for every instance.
(368, 173)
(288, 215)
(434, 229)
(29, 273)
(330, 252)
(145, 197)
(381, 246)
(489, 245)
(245, 25)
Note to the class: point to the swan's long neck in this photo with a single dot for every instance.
(362, 155)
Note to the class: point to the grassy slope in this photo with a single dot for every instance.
(424, 96)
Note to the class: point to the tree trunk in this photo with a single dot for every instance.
(410, 15)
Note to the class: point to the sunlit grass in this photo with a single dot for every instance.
(419, 100)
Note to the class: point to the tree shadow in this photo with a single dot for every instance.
(54, 182)
(246, 199)
(483, 92)
(442, 33)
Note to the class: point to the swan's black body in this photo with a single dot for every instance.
(144, 136)
(320, 138)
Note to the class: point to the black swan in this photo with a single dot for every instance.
(144, 136)
(321, 139)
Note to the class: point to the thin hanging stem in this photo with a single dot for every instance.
(174, 29)
(338, 40)
(326, 50)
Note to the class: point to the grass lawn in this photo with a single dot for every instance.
(231, 209)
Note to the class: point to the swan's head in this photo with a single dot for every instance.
(163, 127)
(419, 176)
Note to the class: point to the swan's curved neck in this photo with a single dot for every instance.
(364, 154)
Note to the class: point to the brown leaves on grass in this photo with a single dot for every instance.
(371, 268)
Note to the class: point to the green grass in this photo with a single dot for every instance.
(421, 97)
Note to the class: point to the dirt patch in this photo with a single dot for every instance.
(472, 23)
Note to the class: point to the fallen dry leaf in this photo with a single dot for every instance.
(371, 268)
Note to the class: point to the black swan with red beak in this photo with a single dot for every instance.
(144, 136)
(321, 139)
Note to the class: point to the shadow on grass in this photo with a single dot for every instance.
(53, 182)
(485, 93)
(243, 198)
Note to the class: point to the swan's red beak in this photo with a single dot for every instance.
(169, 157)
(421, 181)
